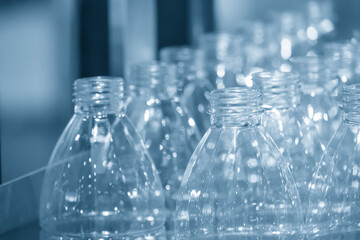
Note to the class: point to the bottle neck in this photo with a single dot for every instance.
(351, 104)
(279, 90)
(221, 46)
(234, 107)
(316, 73)
(99, 95)
(153, 79)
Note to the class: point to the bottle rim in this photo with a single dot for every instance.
(154, 71)
(89, 81)
(179, 53)
(272, 78)
(235, 93)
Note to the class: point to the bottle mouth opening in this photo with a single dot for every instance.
(267, 79)
(234, 94)
(98, 81)
(175, 54)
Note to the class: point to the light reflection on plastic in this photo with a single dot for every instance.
(286, 48)
(312, 33)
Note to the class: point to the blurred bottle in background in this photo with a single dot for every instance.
(319, 93)
(320, 20)
(193, 81)
(237, 185)
(100, 181)
(224, 56)
(288, 126)
(169, 133)
(346, 64)
(334, 202)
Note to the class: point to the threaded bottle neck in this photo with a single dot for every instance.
(279, 89)
(234, 107)
(99, 95)
(315, 72)
(351, 103)
(153, 77)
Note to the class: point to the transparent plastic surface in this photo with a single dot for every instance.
(170, 134)
(192, 80)
(237, 185)
(319, 93)
(345, 56)
(224, 56)
(100, 182)
(292, 132)
(334, 203)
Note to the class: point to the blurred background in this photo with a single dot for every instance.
(46, 44)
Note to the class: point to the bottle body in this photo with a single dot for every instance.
(319, 93)
(299, 143)
(334, 199)
(100, 181)
(322, 109)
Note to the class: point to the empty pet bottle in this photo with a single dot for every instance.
(224, 56)
(292, 132)
(319, 90)
(169, 133)
(334, 202)
(100, 182)
(192, 80)
(237, 185)
(346, 63)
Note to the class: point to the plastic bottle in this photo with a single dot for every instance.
(237, 185)
(334, 202)
(100, 182)
(193, 82)
(292, 132)
(170, 134)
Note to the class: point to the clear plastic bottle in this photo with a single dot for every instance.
(346, 64)
(319, 92)
(224, 56)
(192, 80)
(237, 185)
(334, 202)
(169, 133)
(292, 132)
(100, 182)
